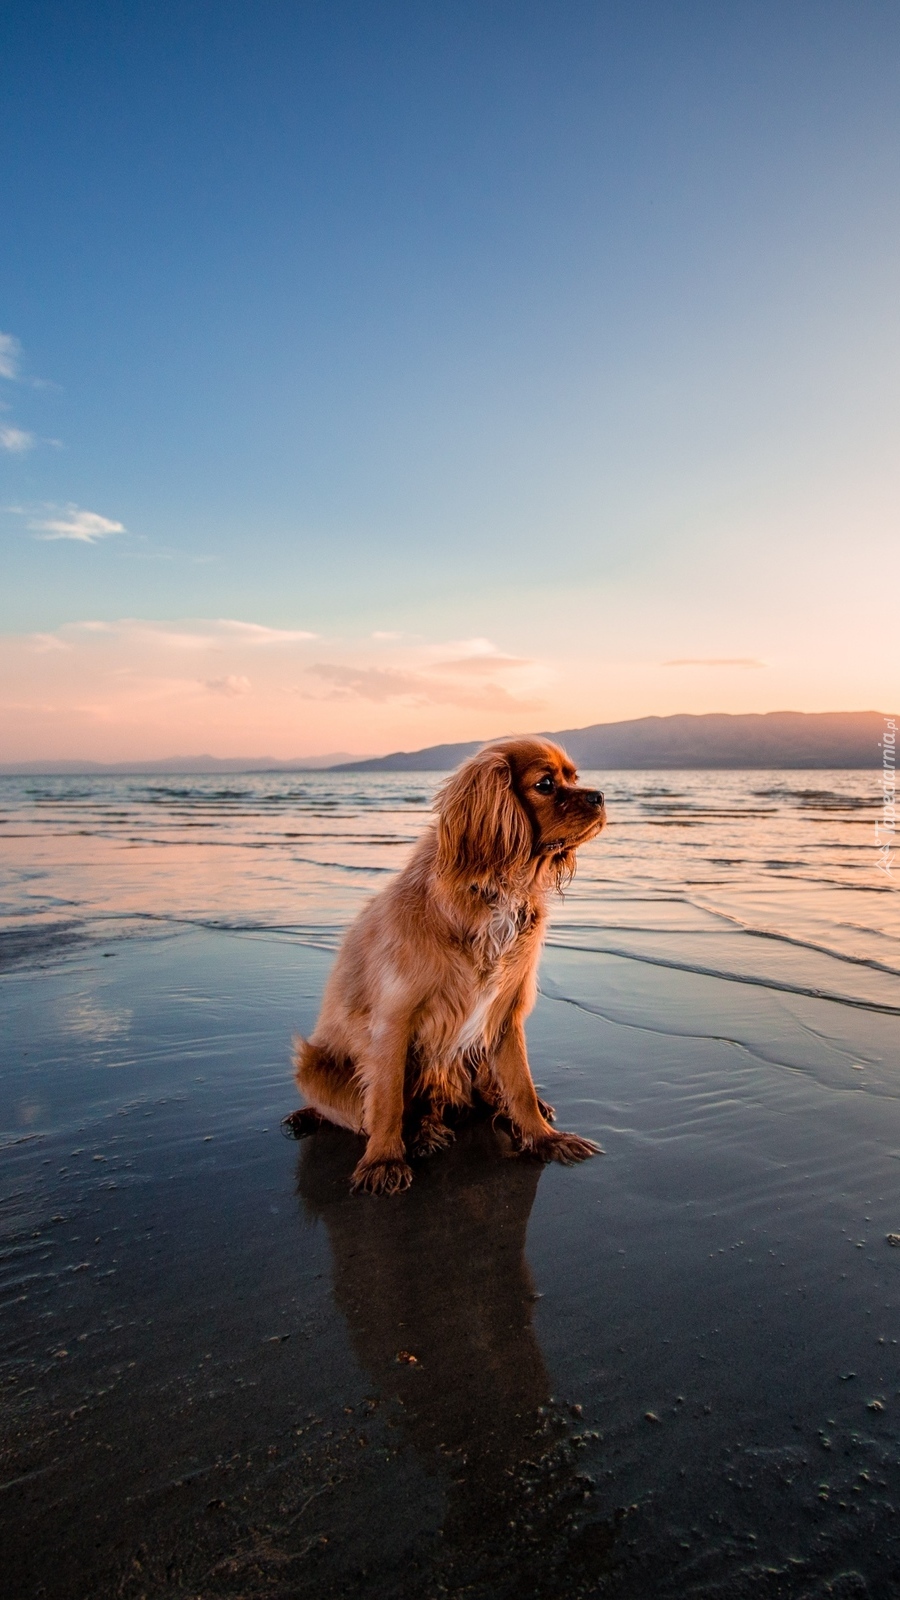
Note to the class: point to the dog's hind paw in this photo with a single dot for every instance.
(388, 1176)
(432, 1136)
(300, 1124)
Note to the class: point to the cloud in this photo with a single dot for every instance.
(16, 440)
(481, 666)
(230, 686)
(715, 661)
(196, 633)
(380, 684)
(45, 643)
(158, 635)
(10, 351)
(369, 683)
(85, 527)
(474, 647)
(255, 633)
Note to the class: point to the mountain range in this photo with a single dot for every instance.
(770, 739)
(785, 739)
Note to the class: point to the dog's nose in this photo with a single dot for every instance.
(595, 797)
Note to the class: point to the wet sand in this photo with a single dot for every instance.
(672, 1371)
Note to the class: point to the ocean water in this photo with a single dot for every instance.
(671, 1371)
(764, 877)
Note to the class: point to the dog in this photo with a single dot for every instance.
(427, 1000)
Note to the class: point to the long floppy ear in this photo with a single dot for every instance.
(484, 835)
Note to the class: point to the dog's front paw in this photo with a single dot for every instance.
(385, 1176)
(548, 1112)
(566, 1148)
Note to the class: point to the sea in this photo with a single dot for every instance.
(673, 1370)
(769, 878)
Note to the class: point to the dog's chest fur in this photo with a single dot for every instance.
(509, 919)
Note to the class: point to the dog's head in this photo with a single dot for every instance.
(514, 806)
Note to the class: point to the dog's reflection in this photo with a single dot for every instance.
(438, 1300)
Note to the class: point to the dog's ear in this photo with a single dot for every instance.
(484, 835)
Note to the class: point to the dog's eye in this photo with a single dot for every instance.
(545, 785)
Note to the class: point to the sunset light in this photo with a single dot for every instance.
(449, 680)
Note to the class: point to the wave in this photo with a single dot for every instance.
(829, 799)
(34, 943)
(800, 944)
(781, 986)
(343, 866)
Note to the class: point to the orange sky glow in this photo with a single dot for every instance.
(138, 689)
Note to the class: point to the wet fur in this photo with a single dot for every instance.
(427, 1000)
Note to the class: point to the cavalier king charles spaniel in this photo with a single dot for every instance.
(425, 1007)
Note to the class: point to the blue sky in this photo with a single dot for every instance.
(559, 339)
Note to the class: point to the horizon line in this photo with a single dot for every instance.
(42, 766)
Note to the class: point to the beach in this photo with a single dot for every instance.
(671, 1371)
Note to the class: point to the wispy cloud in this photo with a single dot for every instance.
(10, 351)
(230, 686)
(255, 633)
(422, 681)
(197, 634)
(474, 647)
(46, 643)
(16, 440)
(368, 683)
(84, 527)
(380, 684)
(715, 661)
(157, 635)
(481, 666)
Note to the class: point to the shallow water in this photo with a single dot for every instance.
(671, 1371)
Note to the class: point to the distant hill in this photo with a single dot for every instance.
(774, 739)
(169, 764)
(783, 739)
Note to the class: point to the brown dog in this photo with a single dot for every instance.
(429, 994)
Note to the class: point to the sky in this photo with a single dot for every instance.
(378, 374)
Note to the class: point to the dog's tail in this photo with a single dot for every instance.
(330, 1086)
